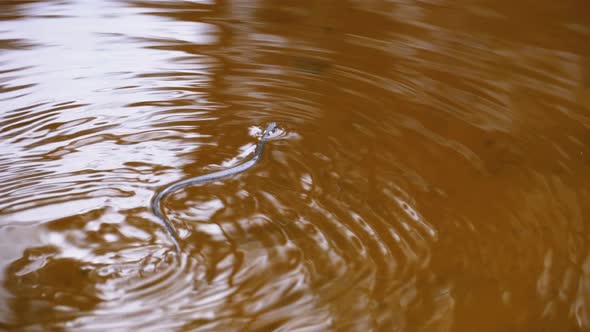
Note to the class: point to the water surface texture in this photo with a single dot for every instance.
(430, 171)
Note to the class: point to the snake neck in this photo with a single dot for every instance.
(258, 151)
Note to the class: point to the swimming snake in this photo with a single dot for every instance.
(156, 203)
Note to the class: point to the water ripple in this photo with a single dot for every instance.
(428, 169)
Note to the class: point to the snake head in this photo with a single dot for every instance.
(269, 130)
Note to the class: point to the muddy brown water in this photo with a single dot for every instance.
(430, 172)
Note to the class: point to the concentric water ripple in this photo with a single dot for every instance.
(428, 172)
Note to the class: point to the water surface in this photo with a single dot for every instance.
(430, 172)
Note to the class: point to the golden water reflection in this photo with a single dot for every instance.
(429, 173)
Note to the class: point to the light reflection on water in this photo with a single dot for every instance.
(429, 172)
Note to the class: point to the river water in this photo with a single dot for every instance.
(430, 170)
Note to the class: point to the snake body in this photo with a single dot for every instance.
(156, 203)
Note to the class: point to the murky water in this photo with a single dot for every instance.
(430, 172)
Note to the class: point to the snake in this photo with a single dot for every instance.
(156, 202)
